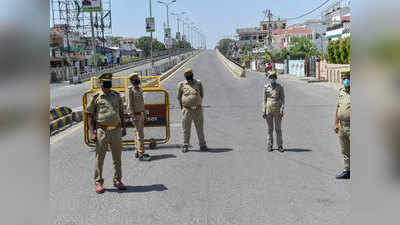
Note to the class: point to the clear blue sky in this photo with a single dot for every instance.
(216, 18)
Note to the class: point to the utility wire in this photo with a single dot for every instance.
(305, 14)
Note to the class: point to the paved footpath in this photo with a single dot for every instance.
(236, 183)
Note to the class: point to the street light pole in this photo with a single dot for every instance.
(151, 41)
(167, 39)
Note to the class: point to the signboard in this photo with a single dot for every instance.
(150, 25)
(178, 36)
(168, 43)
(91, 5)
(155, 115)
(184, 37)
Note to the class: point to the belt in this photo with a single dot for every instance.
(108, 127)
(274, 107)
(139, 113)
(192, 107)
(344, 123)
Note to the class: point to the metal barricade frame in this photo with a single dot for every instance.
(153, 85)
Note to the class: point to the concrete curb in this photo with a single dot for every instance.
(59, 112)
(177, 66)
(60, 123)
(235, 69)
(174, 69)
(77, 116)
(63, 116)
(140, 63)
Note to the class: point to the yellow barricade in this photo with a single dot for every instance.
(156, 110)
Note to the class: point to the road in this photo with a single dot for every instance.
(236, 183)
(65, 94)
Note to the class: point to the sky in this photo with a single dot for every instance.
(215, 18)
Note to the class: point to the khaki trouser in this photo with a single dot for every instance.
(344, 140)
(195, 115)
(274, 120)
(104, 137)
(139, 126)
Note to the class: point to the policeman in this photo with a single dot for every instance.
(106, 108)
(135, 104)
(190, 97)
(342, 123)
(273, 106)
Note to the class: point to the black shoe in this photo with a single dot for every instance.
(144, 157)
(269, 149)
(203, 148)
(343, 175)
(136, 155)
(185, 149)
(280, 149)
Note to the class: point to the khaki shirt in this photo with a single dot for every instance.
(274, 98)
(190, 94)
(343, 105)
(106, 108)
(135, 100)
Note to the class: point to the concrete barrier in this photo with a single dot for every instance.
(63, 116)
(59, 112)
(234, 68)
(60, 123)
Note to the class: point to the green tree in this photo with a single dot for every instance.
(331, 51)
(182, 44)
(344, 48)
(224, 45)
(302, 47)
(99, 57)
(144, 44)
(284, 53)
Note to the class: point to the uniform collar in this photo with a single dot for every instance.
(187, 82)
(104, 94)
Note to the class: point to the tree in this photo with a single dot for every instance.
(344, 49)
(302, 47)
(99, 57)
(224, 45)
(182, 44)
(339, 51)
(284, 53)
(144, 44)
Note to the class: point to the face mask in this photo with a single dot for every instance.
(272, 81)
(136, 82)
(346, 82)
(107, 84)
(189, 77)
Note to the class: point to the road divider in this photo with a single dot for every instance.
(60, 117)
(235, 69)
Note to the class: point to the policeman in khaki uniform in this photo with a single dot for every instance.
(190, 97)
(342, 123)
(106, 108)
(273, 106)
(135, 104)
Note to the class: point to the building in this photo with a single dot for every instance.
(338, 21)
(258, 36)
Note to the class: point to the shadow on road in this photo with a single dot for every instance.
(169, 146)
(132, 189)
(159, 157)
(213, 150)
(297, 150)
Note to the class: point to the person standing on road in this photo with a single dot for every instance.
(342, 123)
(273, 106)
(135, 105)
(106, 108)
(190, 97)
